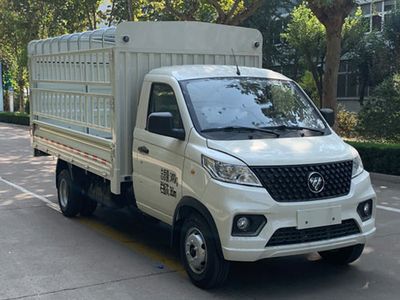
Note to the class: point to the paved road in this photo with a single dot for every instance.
(117, 255)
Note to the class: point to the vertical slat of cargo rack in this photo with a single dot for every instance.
(61, 64)
(47, 104)
(71, 67)
(104, 66)
(44, 101)
(84, 65)
(98, 111)
(43, 62)
(85, 100)
(82, 111)
(56, 68)
(75, 108)
(52, 68)
(115, 186)
(65, 67)
(67, 108)
(74, 69)
(105, 112)
(51, 101)
(59, 99)
(70, 107)
(51, 105)
(45, 67)
(80, 67)
(91, 67)
(42, 68)
(62, 107)
(97, 66)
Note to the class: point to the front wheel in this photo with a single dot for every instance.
(201, 258)
(343, 256)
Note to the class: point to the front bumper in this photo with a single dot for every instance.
(227, 200)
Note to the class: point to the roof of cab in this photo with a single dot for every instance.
(186, 72)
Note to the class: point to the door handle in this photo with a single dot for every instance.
(143, 149)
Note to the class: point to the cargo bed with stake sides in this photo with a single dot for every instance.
(179, 120)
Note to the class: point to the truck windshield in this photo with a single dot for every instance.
(248, 105)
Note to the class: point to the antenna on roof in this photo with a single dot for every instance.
(237, 66)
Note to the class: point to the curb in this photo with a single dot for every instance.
(385, 177)
(15, 125)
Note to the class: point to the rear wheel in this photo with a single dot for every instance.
(201, 258)
(68, 194)
(343, 256)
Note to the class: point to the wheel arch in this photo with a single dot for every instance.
(62, 165)
(185, 207)
(76, 173)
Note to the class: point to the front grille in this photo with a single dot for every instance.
(292, 235)
(290, 183)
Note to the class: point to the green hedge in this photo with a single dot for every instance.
(379, 158)
(14, 118)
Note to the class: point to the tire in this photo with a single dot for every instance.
(201, 257)
(343, 256)
(68, 194)
(88, 207)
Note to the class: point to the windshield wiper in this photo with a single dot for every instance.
(233, 128)
(284, 127)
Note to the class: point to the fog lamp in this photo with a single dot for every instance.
(243, 223)
(364, 210)
(248, 225)
(367, 209)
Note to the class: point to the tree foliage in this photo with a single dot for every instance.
(380, 116)
(24, 20)
(392, 35)
(230, 12)
(306, 35)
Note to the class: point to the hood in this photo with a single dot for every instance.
(286, 151)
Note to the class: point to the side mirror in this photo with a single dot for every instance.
(328, 115)
(162, 123)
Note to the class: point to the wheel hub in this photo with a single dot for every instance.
(196, 250)
(63, 193)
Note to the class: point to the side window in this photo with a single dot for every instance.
(162, 99)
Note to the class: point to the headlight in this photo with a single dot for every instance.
(230, 173)
(357, 166)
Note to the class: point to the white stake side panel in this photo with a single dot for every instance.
(72, 106)
(86, 99)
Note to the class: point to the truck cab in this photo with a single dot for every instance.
(252, 157)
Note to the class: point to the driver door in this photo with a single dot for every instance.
(158, 159)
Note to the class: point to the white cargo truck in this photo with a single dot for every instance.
(179, 120)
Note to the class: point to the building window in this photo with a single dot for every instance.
(347, 81)
(374, 13)
(377, 23)
(366, 9)
(389, 5)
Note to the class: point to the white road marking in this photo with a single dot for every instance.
(41, 198)
(388, 208)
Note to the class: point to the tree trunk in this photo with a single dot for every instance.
(317, 78)
(333, 49)
(332, 15)
(363, 88)
(21, 98)
(129, 8)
